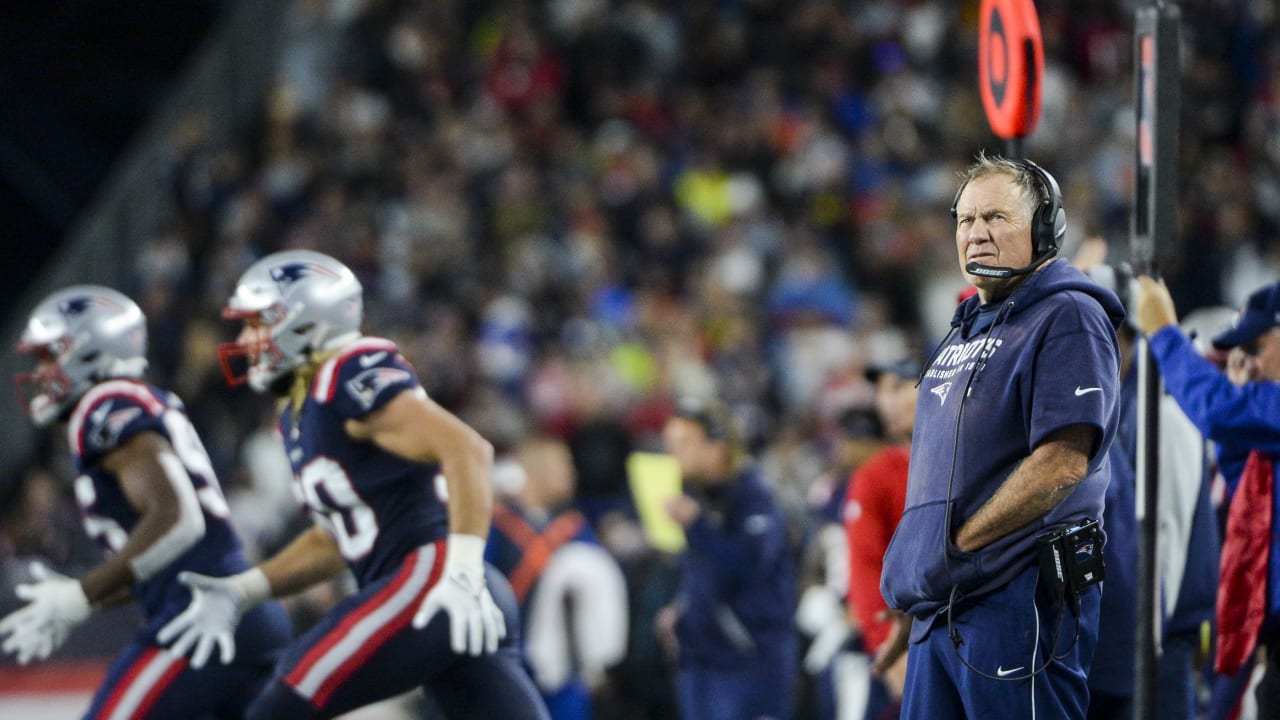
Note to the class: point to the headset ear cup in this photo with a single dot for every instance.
(1039, 229)
(1050, 220)
(1057, 228)
(1048, 224)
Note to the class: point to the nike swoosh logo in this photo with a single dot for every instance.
(1001, 672)
(1085, 391)
(374, 359)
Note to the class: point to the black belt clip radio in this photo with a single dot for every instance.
(1071, 559)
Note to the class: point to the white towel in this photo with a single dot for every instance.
(589, 577)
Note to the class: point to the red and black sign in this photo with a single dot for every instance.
(1010, 66)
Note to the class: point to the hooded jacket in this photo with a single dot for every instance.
(737, 589)
(1008, 375)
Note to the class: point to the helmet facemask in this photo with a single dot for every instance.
(45, 391)
(258, 360)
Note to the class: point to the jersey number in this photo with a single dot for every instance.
(327, 490)
(186, 444)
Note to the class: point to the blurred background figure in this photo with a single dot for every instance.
(1189, 541)
(838, 670)
(732, 616)
(148, 498)
(876, 496)
(571, 592)
(1242, 419)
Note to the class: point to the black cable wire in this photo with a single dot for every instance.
(957, 641)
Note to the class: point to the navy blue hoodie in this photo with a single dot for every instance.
(1007, 377)
(737, 584)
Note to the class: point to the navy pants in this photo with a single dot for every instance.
(712, 693)
(145, 681)
(1005, 635)
(366, 649)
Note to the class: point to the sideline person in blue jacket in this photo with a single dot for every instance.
(737, 593)
(1188, 562)
(1236, 417)
(1016, 412)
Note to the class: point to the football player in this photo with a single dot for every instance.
(399, 491)
(148, 496)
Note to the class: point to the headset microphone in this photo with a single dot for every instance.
(995, 271)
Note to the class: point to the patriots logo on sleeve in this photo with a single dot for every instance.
(369, 384)
(105, 425)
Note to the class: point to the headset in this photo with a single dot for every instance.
(1048, 225)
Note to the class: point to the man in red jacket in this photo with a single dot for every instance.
(873, 504)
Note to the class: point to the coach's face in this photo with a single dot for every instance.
(992, 228)
(695, 453)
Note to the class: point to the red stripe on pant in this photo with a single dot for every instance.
(130, 677)
(335, 636)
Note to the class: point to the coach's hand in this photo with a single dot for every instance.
(475, 622)
(56, 605)
(211, 619)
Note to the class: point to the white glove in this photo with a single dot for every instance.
(56, 605)
(215, 610)
(475, 622)
(821, 614)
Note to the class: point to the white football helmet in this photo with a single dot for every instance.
(308, 302)
(80, 336)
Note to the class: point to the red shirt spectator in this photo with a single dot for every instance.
(873, 505)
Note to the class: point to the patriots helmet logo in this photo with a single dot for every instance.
(290, 273)
(74, 307)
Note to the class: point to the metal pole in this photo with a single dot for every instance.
(1154, 231)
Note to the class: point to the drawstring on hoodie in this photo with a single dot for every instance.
(997, 324)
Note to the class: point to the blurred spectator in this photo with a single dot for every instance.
(839, 676)
(40, 521)
(572, 595)
(1188, 547)
(874, 501)
(731, 621)
(1234, 416)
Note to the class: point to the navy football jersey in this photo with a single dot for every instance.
(108, 415)
(378, 506)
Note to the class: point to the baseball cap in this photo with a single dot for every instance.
(1261, 313)
(904, 368)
